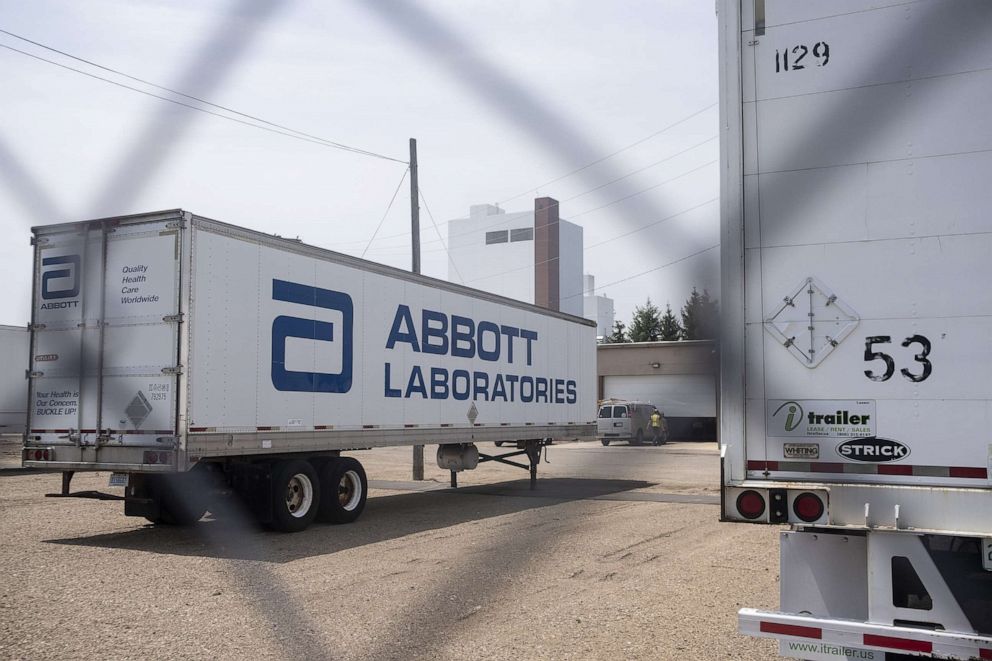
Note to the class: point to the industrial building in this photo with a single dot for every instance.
(533, 256)
(680, 378)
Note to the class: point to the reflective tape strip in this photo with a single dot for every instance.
(905, 644)
(791, 630)
(961, 472)
(984, 653)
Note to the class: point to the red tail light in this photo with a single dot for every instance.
(156, 457)
(808, 507)
(750, 504)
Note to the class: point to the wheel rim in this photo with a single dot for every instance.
(350, 490)
(299, 495)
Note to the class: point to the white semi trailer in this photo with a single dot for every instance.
(183, 354)
(13, 384)
(856, 402)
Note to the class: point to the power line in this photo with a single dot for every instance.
(611, 155)
(639, 170)
(642, 191)
(588, 211)
(383, 219)
(271, 127)
(642, 273)
(451, 259)
(603, 242)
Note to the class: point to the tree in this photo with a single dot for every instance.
(700, 317)
(669, 329)
(619, 334)
(646, 324)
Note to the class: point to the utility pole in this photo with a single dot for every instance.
(418, 450)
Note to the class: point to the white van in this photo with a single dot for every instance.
(628, 421)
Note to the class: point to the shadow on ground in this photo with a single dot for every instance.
(233, 535)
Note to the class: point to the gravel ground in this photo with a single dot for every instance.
(490, 572)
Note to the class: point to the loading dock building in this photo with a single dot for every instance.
(680, 378)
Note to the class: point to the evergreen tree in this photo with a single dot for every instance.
(619, 334)
(670, 329)
(700, 317)
(646, 324)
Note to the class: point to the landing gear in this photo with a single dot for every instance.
(531, 448)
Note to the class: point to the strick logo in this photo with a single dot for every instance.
(284, 327)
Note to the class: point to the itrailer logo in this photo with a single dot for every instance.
(873, 449)
(792, 416)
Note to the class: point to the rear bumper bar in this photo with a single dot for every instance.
(852, 634)
(82, 466)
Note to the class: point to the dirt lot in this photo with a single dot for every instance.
(602, 561)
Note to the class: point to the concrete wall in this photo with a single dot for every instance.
(570, 267)
(507, 268)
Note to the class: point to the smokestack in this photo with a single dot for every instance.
(546, 282)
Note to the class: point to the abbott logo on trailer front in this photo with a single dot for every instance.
(61, 282)
(284, 327)
(873, 449)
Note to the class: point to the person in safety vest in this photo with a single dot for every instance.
(659, 428)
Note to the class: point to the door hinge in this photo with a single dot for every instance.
(178, 369)
(35, 327)
(28, 374)
(169, 318)
(39, 240)
(175, 225)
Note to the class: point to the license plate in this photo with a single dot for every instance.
(987, 553)
(118, 479)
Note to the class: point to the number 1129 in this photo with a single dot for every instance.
(791, 59)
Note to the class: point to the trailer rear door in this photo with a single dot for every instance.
(867, 156)
(104, 353)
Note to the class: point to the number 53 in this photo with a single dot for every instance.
(890, 364)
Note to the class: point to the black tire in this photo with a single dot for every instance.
(604, 441)
(295, 495)
(182, 500)
(638, 438)
(345, 490)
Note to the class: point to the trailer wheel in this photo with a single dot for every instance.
(345, 490)
(295, 495)
(604, 441)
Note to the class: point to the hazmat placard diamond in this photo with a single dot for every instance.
(473, 413)
(138, 410)
(811, 322)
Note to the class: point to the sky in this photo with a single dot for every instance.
(608, 107)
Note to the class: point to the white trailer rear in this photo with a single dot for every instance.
(166, 343)
(856, 403)
(13, 381)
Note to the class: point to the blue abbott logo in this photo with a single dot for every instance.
(309, 329)
(65, 277)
